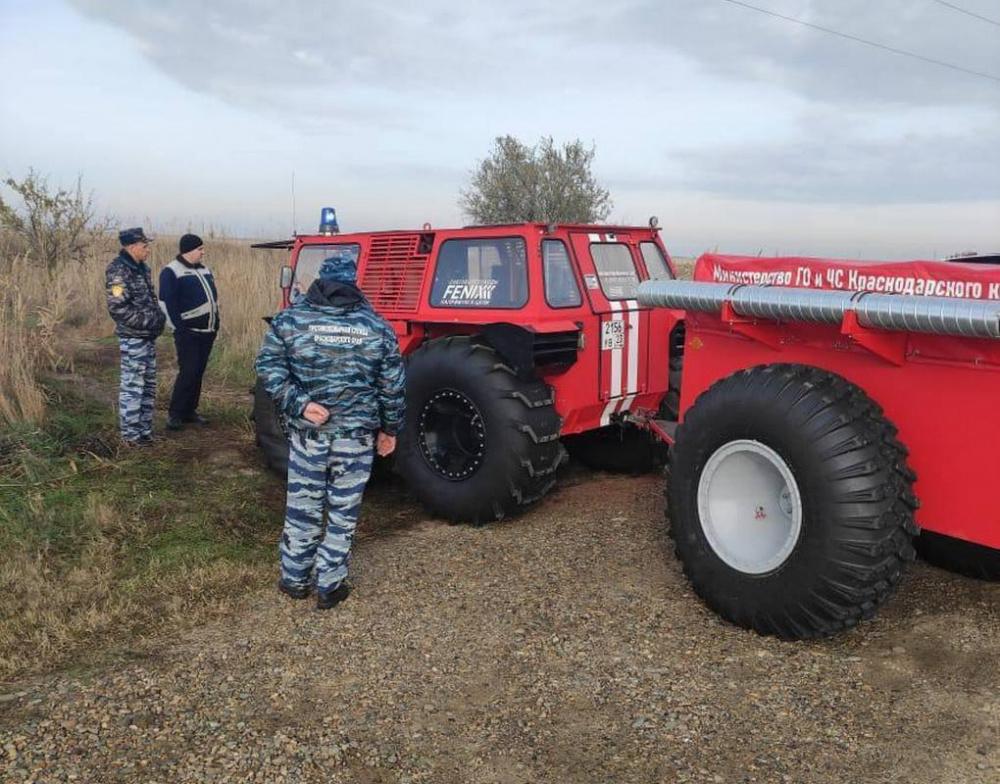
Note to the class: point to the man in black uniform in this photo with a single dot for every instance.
(190, 301)
(138, 323)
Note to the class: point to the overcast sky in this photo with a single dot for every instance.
(741, 131)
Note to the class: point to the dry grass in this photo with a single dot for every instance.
(684, 267)
(44, 316)
(21, 396)
(49, 622)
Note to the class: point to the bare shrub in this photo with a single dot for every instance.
(54, 226)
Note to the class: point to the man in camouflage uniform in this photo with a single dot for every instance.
(138, 321)
(334, 370)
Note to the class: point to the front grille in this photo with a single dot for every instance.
(394, 271)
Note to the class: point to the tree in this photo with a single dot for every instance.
(54, 225)
(541, 183)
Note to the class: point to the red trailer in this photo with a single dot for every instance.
(829, 411)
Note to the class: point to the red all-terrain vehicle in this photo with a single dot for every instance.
(818, 424)
(516, 338)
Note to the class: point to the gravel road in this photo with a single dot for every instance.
(564, 646)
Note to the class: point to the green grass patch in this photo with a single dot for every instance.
(234, 367)
(99, 545)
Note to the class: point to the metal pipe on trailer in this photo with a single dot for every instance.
(932, 315)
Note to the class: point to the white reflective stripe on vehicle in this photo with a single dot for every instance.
(618, 405)
(616, 356)
(632, 383)
(616, 371)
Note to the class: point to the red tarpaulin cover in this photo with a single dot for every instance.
(919, 278)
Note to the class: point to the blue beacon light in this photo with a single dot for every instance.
(328, 221)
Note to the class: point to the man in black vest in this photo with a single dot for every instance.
(189, 298)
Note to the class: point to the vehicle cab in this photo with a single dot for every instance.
(555, 299)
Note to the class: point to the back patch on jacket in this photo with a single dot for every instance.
(339, 334)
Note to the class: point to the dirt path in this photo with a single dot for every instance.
(561, 647)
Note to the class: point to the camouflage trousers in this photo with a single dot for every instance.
(327, 473)
(137, 388)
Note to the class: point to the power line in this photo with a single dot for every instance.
(974, 15)
(849, 37)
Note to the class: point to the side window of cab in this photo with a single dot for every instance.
(656, 264)
(481, 273)
(561, 288)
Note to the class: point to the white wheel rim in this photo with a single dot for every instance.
(750, 506)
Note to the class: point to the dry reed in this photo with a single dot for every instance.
(44, 317)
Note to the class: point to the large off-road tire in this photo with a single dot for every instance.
(790, 501)
(480, 443)
(618, 448)
(271, 437)
(972, 560)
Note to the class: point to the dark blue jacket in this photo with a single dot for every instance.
(188, 297)
(131, 299)
(331, 348)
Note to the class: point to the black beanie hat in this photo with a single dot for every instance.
(190, 242)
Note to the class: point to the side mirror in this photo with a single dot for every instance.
(286, 277)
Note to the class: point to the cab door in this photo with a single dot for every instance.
(611, 277)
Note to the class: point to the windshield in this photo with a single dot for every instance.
(308, 262)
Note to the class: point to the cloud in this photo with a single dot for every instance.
(241, 50)
(835, 165)
(389, 77)
(736, 42)
(250, 51)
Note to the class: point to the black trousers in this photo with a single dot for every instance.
(193, 349)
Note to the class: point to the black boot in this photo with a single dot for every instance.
(294, 591)
(174, 423)
(326, 601)
(196, 419)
